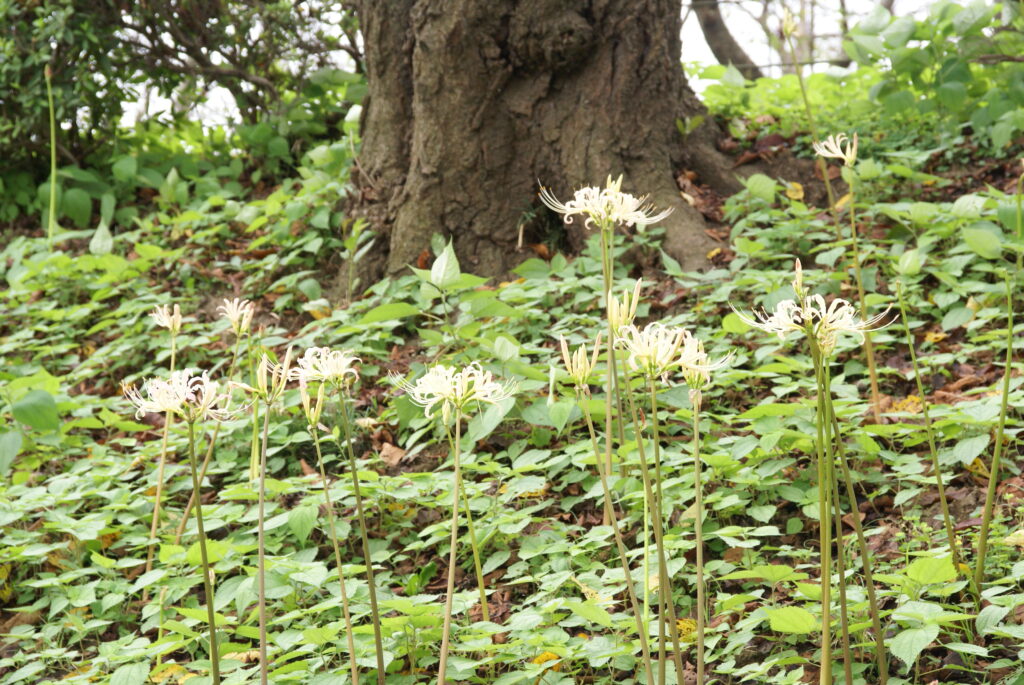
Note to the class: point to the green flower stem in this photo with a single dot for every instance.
(869, 348)
(698, 529)
(930, 432)
(51, 220)
(168, 421)
(844, 616)
(370, 579)
(607, 235)
(261, 569)
(477, 567)
(1020, 220)
(207, 582)
(993, 476)
(452, 554)
(881, 660)
(824, 526)
(822, 166)
(663, 582)
(641, 628)
(337, 557)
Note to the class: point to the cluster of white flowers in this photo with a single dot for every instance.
(454, 389)
(824, 321)
(658, 350)
(324, 365)
(239, 313)
(167, 317)
(187, 395)
(606, 207)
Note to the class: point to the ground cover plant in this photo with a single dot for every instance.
(216, 468)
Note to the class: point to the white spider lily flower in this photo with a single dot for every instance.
(578, 365)
(788, 316)
(324, 365)
(695, 365)
(184, 394)
(161, 396)
(443, 385)
(840, 317)
(167, 317)
(652, 351)
(239, 313)
(622, 312)
(605, 207)
(838, 147)
(271, 378)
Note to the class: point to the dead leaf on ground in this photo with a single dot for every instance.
(391, 454)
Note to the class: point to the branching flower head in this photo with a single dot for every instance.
(167, 317)
(239, 313)
(454, 390)
(324, 365)
(606, 207)
(652, 351)
(578, 365)
(622, 312)
(188, 396)
(839, 147)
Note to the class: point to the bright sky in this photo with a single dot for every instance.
(738, 14)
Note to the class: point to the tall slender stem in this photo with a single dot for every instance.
(663, 582)
(822, 167)
(207, 582)
(51, 221)
(824, 526)
(370, 578)
(477, 568)
(881, 660)
(844, 616)
(450, 592)
(641, 629)
(158, 498)
(930, 432)
(993, 476)
(607, 241)
(261, 569)
(698, 529)
(869, 348)
(337, 557)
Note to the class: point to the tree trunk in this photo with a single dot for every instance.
(472, 103)
(724, 47)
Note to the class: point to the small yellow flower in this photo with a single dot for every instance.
(687, 628)
(910, 404)
(545, 657)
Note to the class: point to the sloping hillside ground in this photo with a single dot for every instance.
(936, 212)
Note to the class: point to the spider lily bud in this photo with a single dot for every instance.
(166, 317)
(622, 312)
(578, 365)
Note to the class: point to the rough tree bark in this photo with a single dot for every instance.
(473, 102)
(724, 47)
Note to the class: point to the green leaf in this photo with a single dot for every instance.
(130, 674)
(445, 271)
(957, 317)
(591, 611)
(928, 570)
(215, 551)
(301, 520)
(910, 263)
(969, 449)
(985, 238)
(77, 206)
(732, 323)
(907, 645)
(952, 95)
(10, 445)
(389, 312)
(559, 413)
(762, 187)
(37, 409)
(319, 636)
(125, 169)
(791, 620)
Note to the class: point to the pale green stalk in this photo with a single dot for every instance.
(51, 222)
(824, 538)
(477, 567)
(337, 557)
(370, 578)
(452, 559)
(158, 498)
(641, 626)
(930, 432)
(663, 582)
(261, 569)
(844, 616)
(606, 267)
(698, 488)
(993, 476)
(869, 349)
(207, 582)
(865, 553)
(1020, 221)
